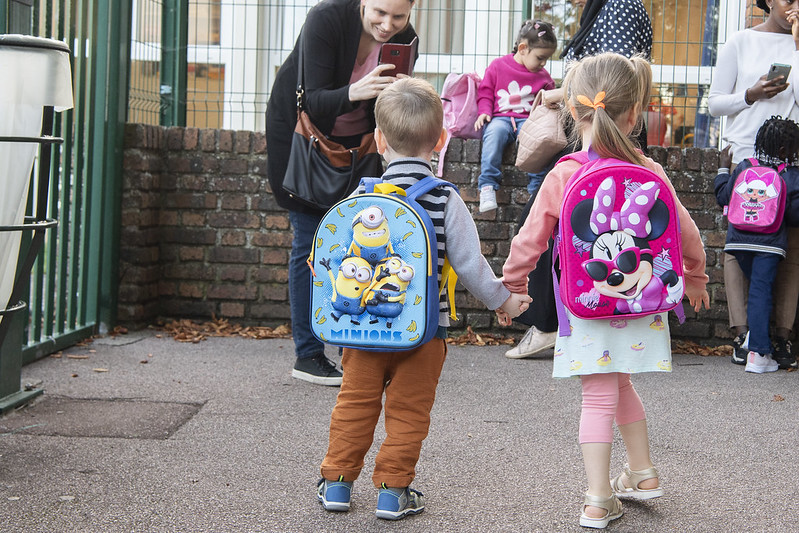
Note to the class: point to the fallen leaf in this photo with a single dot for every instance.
(185, 330)
(693, 348)
(778, 398)
(473, 339)
(77, 356)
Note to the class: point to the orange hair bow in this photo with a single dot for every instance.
(596, 104)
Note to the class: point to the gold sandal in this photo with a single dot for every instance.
(612, 505)
(635, 477)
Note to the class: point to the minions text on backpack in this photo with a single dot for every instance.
(375, 270)
(618, 242)
(757, 203)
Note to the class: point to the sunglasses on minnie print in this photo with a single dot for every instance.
(627, 262)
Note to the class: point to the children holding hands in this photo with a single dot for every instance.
(409, 121)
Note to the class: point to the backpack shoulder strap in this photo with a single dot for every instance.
(427, 184)
(369, 183)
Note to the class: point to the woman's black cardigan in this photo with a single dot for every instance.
(330, 36)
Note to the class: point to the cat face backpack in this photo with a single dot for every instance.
(618, 243)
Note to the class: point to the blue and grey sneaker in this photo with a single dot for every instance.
(393, 504)
(335, 495)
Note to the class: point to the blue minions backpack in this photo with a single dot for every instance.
(374, 264)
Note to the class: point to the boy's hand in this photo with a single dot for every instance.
(697, 297)
(725, 157)
(481, 121)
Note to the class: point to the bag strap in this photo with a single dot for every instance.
(564, 328)
(300, 92)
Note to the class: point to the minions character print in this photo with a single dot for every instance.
(623, 264)
(370, 250)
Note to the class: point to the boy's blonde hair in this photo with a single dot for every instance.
(624, 82)
(409, 114)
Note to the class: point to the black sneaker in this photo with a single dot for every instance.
(782, 353)
(317, 369)
(738, 353)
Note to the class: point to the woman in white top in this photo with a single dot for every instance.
(742, 91)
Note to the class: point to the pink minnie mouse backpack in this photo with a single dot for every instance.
(618, 241)
(757, 203)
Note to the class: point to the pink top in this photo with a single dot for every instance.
(356, 121)
(508, 88)
(533, 237)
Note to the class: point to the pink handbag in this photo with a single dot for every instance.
(541, 137)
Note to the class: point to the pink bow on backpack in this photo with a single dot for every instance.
(632, 218)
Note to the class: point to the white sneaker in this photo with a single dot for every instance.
(533, 342)
(760, 363)
(488, 198)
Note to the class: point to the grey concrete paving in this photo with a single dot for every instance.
(106, 451)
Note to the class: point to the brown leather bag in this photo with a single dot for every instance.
(321, 172)
(541, 137)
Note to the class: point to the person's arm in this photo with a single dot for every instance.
(721, 98)
(486, 90)
(693, 250)
(466, 258)
(533, 237)
(721, 184)
(791, 178)
(323, 42)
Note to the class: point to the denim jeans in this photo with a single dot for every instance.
(304, 227)
(498, 134)
(761, 271)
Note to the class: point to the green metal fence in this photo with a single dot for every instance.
(73, 290)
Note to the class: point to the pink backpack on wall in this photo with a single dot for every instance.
(459, 100)
(757, 202)
(618, 241)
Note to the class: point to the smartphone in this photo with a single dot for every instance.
(779, 69)
(402, 56)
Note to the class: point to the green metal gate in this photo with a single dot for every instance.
(73, 290)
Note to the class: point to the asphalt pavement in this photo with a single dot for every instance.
(140, 433)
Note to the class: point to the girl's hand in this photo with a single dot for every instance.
(764, 89)
(481, 121)
(698, 297)
(371, 85)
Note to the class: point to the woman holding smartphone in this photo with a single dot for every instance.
(742, 91)
(341, 42)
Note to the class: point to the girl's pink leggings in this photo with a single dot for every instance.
(607, 397)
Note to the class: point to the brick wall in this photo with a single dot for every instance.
(203, 236)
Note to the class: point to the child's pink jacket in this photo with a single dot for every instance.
(532, 240)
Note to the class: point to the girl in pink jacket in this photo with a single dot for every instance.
(605, 95)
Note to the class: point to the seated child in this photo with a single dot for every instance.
(409, 128)
(504, 100)
(758, 254)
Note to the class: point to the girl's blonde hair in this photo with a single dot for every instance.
(625, 83)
